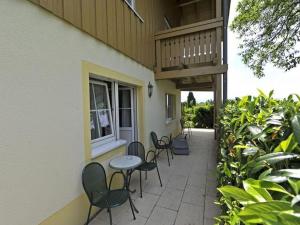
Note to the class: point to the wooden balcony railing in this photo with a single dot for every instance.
(190, 46)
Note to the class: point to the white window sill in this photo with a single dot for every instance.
(102, 149)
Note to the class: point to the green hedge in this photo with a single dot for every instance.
(199, 116)
(258, 167)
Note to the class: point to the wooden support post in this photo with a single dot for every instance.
(217, 101)
(218, 8)
(158, 56)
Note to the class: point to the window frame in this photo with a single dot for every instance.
(173, 107)
(132, 6)
(111, 137)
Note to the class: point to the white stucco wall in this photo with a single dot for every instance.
(41, 140)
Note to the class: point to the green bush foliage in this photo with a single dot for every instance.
(258, 166)
(200, 115)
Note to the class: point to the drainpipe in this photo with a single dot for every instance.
(226, 5)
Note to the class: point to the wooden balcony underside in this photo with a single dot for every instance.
(198, 71)
(191, 50)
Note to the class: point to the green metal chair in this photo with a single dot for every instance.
(137, 149)
(99, 194)
(183, 127)
(163, 144)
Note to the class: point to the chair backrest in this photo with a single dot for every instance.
(94, 181)
(137, 148)
(154, 139)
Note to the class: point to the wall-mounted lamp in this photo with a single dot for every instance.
(150, 89)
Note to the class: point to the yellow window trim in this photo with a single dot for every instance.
(91, 68)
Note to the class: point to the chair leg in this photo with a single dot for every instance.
(110, 217)
(131, 206)
(141, 191)
(171, 150)
(158, 176)
(88, 218)
(168, 156)
(129, 179)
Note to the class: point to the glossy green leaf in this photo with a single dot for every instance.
(287, 145)
(295, 184)
(265, 173)
(289, 218)
(262, 93)
(296, 127)
(275, 179)
(260, 194)
(295, 200)
(266, 185)
(250, 151)
(262, 212)
(283, 175)
(238, 194)
(290, 173)
(269, 159)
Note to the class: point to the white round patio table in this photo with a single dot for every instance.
(126, 163)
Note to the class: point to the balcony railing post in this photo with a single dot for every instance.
(158, 56)
(218, 8)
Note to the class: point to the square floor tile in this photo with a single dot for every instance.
(177, 182)
(194, 195)
(146, 204)
(162, 216)
(170, 199)
(190, 215)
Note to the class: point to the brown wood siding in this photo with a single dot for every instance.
(101, 20)
(72, 12)
(120, 26)
(89, 16)
(114, 23)
(203, 10)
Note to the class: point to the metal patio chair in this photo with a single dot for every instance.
(162, 144)
(183, 127)
(99, 194)
(136, 148)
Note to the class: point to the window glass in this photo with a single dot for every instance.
(94, 126)
(125, 108)
(101, 96)
(170, 106)
(125, 118)
(100, 111)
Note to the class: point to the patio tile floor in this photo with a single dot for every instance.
(188, 193)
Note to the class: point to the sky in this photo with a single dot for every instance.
(241, 80)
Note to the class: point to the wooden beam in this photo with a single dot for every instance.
(186, 29)
(199, 71)
(189, 3)
(197, 89)
(194, 85)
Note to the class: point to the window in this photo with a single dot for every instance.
(125, 107)
(131, 3)
(170, 107)
(112, 114)
(101, 121)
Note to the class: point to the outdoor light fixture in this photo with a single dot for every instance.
(150, 89)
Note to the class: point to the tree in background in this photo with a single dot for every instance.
(270, 33)
(191, 101)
